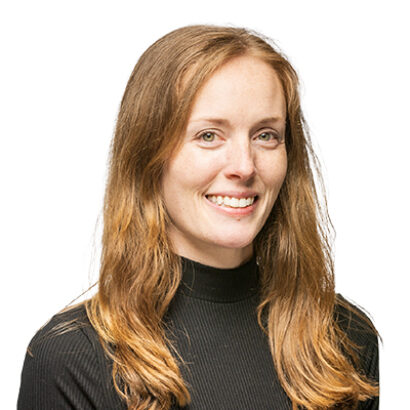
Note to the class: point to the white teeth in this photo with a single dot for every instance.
(232, 201)
(227, 201)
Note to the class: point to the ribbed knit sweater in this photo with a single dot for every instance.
(212, 322)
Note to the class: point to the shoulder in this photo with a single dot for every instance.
(359, 329)
(65, 365)
(65, 333)
(354, 322)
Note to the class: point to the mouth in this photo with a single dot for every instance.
(231, 201)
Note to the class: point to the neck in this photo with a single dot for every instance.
(217, 257)
(219, 284)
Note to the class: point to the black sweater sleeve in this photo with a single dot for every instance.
(66, 369)
(353, 322)
(369, 356)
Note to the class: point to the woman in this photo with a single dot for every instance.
(216, 287)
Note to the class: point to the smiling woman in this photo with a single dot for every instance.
(239, 158)
(216, 286)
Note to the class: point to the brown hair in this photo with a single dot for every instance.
(140, 273)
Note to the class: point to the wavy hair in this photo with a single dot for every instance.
(140, 273)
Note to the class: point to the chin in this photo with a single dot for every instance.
(235, 242)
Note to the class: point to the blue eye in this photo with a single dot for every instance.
(207, 136)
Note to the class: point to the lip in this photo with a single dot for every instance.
(233, 211)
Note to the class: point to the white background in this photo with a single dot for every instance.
(63, 71)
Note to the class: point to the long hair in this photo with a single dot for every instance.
(140, 273)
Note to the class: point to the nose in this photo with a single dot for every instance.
(240, 162)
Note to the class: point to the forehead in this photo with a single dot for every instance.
(243, 88)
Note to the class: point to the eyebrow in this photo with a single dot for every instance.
(222, 121)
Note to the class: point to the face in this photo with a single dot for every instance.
(220, 186)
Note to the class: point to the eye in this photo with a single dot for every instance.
(268, 136)
(269, 139)
(207, 136)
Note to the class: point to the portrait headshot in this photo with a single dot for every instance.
(206, 211)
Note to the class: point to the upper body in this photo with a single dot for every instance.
(228, 362)
(211, 161)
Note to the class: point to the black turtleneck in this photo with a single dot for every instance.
(212, 322)
(228, 362)
(216, 284)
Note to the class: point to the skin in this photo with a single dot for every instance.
(227, 149)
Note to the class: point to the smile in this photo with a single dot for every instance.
(231, 202)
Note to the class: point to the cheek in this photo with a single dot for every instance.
(177, 169)
(282, 171)
(191, 169)
(274, 171)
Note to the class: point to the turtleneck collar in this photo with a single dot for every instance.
(219, 285)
